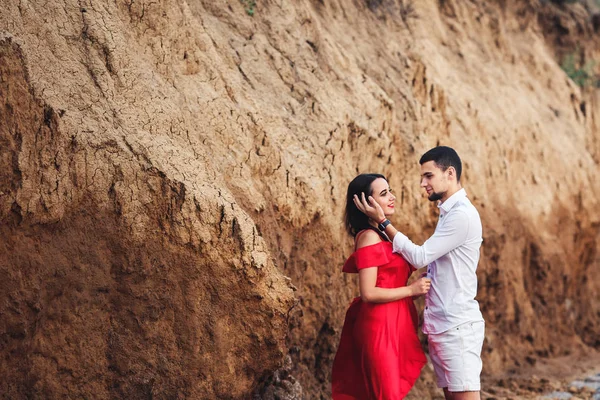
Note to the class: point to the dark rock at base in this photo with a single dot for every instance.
(281, 385)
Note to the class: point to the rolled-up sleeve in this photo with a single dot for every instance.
(451, 234)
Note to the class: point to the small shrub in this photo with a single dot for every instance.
(249, 6)
(583, 76)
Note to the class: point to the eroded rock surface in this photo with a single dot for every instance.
(173, 177)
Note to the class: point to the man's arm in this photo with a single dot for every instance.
(452, 234)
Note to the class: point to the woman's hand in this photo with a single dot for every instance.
(420, 286)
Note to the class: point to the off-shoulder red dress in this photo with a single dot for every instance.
(379, 356)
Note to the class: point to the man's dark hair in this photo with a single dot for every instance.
(354, 219)
(443, 157)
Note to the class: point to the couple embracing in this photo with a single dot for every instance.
(379, 356)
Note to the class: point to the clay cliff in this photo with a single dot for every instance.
(173, 175)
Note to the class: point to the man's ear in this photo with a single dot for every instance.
(452, 172)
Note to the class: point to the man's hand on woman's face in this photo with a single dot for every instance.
(370, 208)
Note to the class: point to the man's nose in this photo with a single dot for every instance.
(423, 182)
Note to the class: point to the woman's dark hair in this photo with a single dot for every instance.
(355, 221)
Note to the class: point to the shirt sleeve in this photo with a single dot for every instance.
(449, 236)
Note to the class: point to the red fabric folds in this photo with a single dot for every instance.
(379, 356)
(369, 256)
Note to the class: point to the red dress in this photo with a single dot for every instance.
(379, 356)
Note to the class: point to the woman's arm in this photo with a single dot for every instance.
(367, 278)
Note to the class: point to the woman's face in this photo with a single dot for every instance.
(383, 195)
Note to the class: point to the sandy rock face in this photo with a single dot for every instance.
(173, 179)
(118, 280)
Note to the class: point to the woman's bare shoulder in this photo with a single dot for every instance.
(367, 237)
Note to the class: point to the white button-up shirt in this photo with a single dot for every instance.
(452, 254)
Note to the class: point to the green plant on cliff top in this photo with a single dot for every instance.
(249, 6)
(582, 76)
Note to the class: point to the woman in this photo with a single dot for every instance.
(379, 356)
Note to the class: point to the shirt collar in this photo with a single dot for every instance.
(452, 200)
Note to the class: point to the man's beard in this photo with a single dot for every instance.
(436, 196)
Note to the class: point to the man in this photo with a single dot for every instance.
(452, 319)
